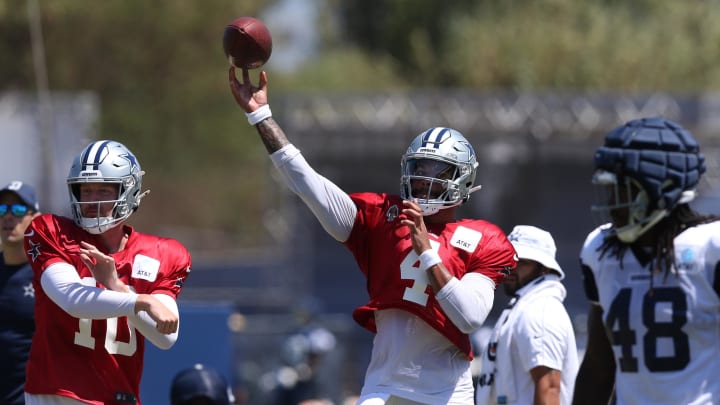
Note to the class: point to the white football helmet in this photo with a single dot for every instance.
(106, 162)
(438, 169)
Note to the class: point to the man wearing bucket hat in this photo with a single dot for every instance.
(18, 206)
(531, 356)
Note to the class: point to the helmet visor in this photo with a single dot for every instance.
(616, 200)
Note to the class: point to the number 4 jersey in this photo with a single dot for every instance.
(383, 250)
(97, 360)
(663, 330)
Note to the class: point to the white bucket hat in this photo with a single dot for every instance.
(532, 243)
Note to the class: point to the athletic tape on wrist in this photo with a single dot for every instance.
(428, 259)
(258, 115)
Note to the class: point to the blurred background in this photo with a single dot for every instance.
(534, 85)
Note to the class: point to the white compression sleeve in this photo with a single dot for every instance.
(146, 325)
(63, 285)
(467, 302)
(332, 207)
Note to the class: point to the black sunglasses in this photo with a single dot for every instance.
(18, 210)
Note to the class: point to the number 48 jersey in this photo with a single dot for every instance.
(662, 330)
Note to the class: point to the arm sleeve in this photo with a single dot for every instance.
(332, 207)
(63, 285)
(467, 302)
(146, 325)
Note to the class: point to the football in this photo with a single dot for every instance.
(247, 43)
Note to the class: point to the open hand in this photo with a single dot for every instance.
(101, 266)
(247, 96)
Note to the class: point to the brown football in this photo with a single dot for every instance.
(247, 43)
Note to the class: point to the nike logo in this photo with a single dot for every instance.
(31, 233)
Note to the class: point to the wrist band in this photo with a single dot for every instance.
(258, 115)
(428, 259)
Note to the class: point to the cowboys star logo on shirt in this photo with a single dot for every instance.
(34, 250)
(179, 282)
(29, 291)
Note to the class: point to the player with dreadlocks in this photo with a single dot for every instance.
(651, 273)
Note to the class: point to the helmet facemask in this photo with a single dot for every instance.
(624, 203)
(433, 183)
(118, 210)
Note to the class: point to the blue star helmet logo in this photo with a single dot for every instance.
(130, 158)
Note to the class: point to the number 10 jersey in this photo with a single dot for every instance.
(98, 361)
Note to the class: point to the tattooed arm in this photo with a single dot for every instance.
(333, 207)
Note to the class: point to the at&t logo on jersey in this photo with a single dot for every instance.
(466, 239)
(145, 267)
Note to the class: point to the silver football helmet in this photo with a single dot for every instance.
(105, 162)
(438, 169)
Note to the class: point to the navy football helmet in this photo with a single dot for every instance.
(106, 162)
(438, 169)
(649, 166)
(200, 385)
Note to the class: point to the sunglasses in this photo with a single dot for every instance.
(18, 210)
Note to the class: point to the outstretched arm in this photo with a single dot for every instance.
(333, 207)
(253, 98)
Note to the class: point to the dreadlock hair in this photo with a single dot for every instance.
(679, 219)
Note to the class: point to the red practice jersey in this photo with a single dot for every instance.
(383, 250)
(98, 361)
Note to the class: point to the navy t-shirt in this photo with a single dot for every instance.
(17, 324)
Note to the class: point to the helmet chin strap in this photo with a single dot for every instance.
(631, 233)
(432, 209)
(98, 225)
(474, 189)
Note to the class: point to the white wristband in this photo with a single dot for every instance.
(258, 115)
(428, 259)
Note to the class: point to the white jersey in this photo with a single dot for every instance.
(666, 339)
(411, 360)
(534, 331)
